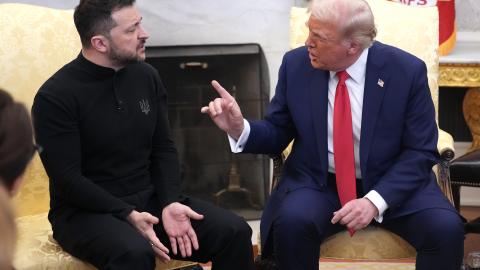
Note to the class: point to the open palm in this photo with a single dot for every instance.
(176, 222)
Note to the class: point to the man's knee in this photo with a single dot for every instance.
(445, 230)
(450, 228)
(138, 256)
(239, 229)
(293, 222)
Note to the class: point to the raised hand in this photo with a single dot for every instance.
(176, 222)
(144, 222)
(225, 112)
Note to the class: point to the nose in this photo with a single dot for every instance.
(308, 42)
(143, 33)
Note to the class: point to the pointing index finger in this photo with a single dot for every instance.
(221, 91)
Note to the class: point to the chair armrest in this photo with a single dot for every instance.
(277, 170)
(278, 161)
(447, 153)
(445, 145)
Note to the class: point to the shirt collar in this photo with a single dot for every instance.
(356, 70)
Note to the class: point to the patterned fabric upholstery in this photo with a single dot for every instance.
(36, 42)
(371, 243)
(40, 251)
(420, 38)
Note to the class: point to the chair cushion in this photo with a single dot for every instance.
(371, 243)
(33, 197)
(465, 170)
(36, 249)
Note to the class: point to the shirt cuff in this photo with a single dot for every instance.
(237, 146)
(379, 202)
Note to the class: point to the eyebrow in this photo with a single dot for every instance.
(134, 24)
(320, 34)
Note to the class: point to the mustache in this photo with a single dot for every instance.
(142, 43)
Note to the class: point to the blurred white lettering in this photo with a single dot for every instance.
(426, 3)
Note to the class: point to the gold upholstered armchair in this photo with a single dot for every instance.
(415, 30)
(36, 42)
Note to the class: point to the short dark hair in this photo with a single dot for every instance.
(93, 17)
(16, 139)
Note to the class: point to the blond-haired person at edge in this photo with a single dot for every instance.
(115, 187)
(386, 158)
(16, 151)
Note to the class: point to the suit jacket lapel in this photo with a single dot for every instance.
(376, 84)
(319, 107)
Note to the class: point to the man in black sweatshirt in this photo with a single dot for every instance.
(113, 167)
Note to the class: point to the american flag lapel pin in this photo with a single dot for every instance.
(380, 82)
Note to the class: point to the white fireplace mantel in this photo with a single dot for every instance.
(186, 22)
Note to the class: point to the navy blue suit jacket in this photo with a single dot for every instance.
(398, 144)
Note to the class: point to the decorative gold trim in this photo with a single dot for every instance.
(459, 75)
(464, 183)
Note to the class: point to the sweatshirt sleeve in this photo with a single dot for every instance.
(57, 132)
(164, 168)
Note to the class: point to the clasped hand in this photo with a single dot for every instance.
(356, 214)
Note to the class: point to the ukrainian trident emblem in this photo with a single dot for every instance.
(144, 106)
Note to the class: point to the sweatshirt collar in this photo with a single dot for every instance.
(94, 69)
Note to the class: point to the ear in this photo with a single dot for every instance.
(354, 48)
(100, 43)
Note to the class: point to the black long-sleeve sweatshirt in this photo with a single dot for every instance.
(107, 145)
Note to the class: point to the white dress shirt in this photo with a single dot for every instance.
(355, 85)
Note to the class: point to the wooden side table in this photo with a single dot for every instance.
(461, 68)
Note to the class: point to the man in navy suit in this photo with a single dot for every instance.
(389, 150)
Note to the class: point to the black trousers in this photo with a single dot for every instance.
(108, 242)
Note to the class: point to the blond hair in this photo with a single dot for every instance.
(354, 18)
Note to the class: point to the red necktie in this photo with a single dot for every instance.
(343, 143)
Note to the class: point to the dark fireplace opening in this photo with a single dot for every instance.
(209, 170)
(450, 115)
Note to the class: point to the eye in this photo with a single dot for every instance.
(316, 36)
(319, 37)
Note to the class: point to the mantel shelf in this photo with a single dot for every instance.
(461, 68)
